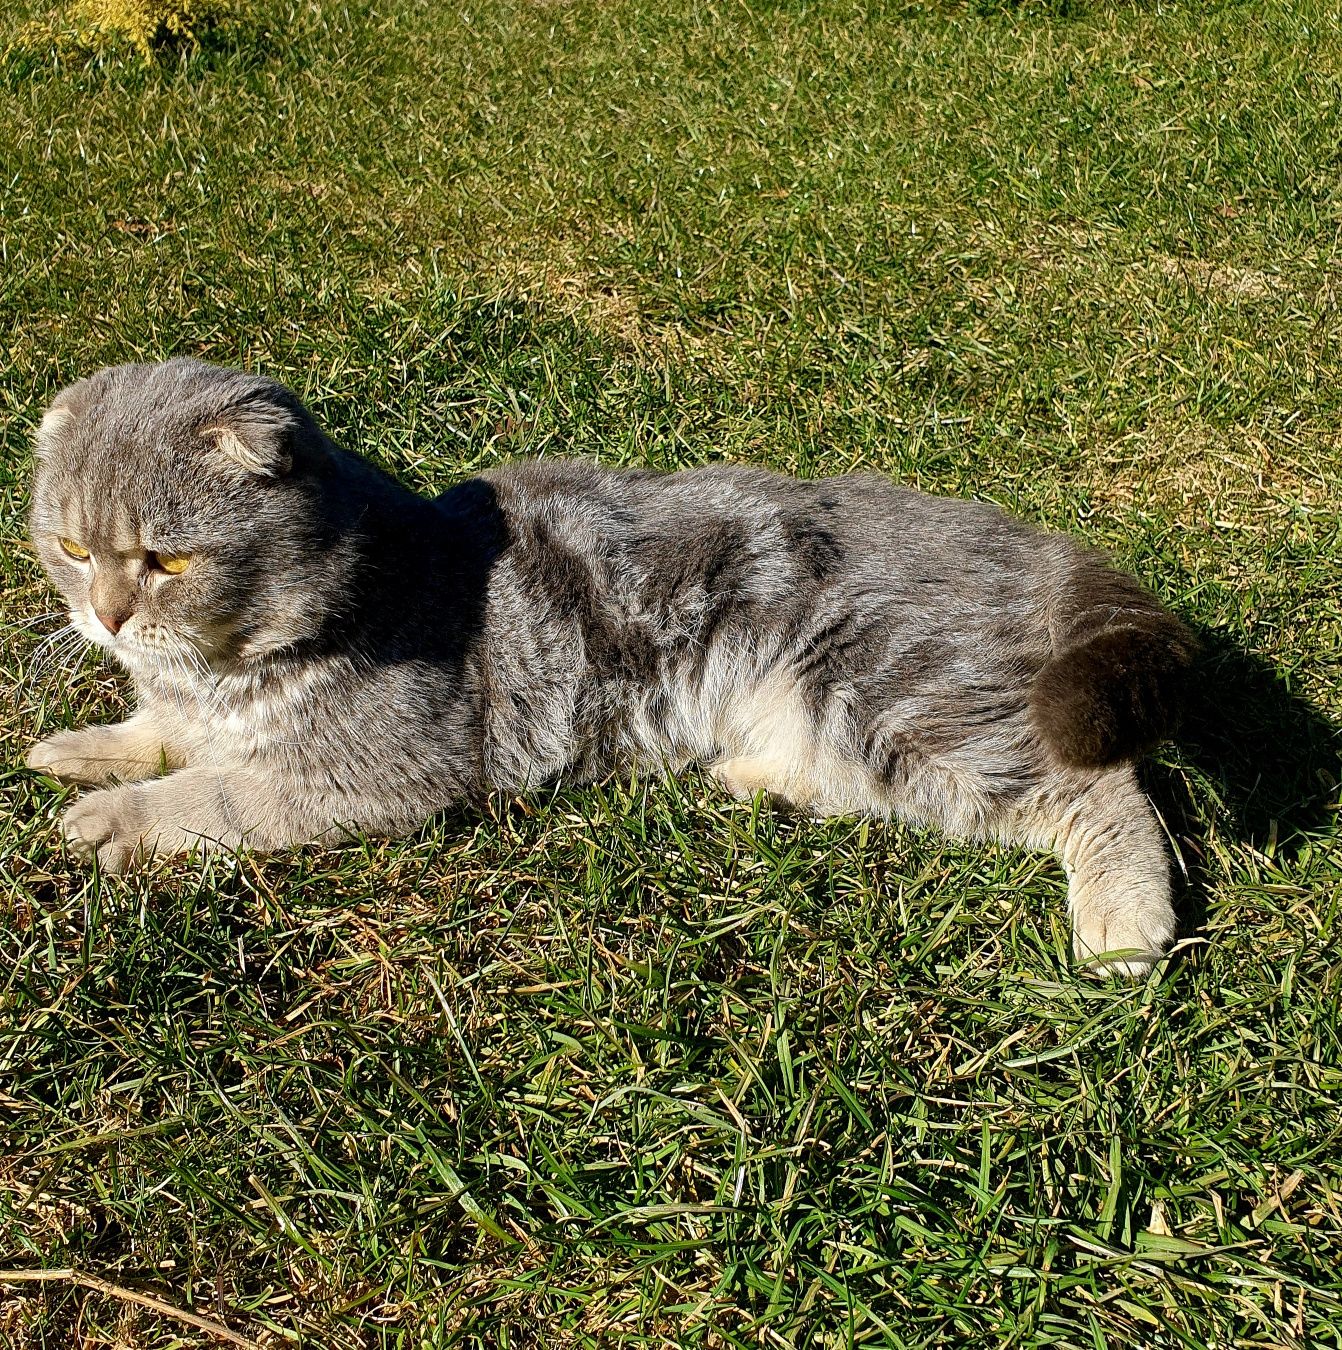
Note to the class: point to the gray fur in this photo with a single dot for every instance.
(341, 654)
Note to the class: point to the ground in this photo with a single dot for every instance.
(637, 1065)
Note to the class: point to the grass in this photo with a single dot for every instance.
(632, 1065)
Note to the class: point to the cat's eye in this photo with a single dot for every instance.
(171, 563)
(76, 551)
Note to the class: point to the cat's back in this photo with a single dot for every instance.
(854, 528)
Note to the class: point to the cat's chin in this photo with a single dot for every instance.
(136, 660)
(154, 659)
(133, 659)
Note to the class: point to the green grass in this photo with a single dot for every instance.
(632, 1065)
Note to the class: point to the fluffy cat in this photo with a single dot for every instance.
(315, 649)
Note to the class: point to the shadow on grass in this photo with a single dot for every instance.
(1258, 763)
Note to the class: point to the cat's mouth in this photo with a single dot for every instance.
(139, 643)
(94, 630)
(211, 647)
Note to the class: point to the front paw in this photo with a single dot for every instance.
(108, 825)
(70, 756)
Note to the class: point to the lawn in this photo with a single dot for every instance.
(634, 1065)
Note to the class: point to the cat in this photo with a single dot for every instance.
(317, 650)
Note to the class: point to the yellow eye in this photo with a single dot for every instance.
(172, 563)
(74, 550)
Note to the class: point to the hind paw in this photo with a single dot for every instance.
(1126, 941)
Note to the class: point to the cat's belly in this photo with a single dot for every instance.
(755, 733)
(772, 742)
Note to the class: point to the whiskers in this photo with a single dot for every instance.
(181, 669)
(51, 659)
(20, 625)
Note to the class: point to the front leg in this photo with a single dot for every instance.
(199, 808)
(128, 751)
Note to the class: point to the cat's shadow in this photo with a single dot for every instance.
(1256, 762)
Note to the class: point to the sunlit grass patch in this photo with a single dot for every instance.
(632, 1064)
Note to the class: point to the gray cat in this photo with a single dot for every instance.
(316, 649)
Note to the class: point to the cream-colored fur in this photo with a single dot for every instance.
(1118, 872)
(126, 751)
(773, 745)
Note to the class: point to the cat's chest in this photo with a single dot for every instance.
(245, 716)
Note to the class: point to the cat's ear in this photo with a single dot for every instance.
(54, 422)
(256, 437)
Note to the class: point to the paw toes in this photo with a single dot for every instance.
(115, 857)
(64, 757)
(99, 826)
(1125, 945)
(45, 757)
(38, 757)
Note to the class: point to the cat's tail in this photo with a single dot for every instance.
(1116, 682)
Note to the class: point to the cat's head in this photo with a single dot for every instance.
(176, 508)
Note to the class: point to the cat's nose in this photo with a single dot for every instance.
(112, 622)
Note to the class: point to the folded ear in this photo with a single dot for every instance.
(255, 435)
(54, 421)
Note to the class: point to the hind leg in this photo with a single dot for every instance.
(1118, 872)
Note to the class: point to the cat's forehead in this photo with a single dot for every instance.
(163, 434)
(102, 449)
(125, 492)
(117, 516)
(110, 451)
